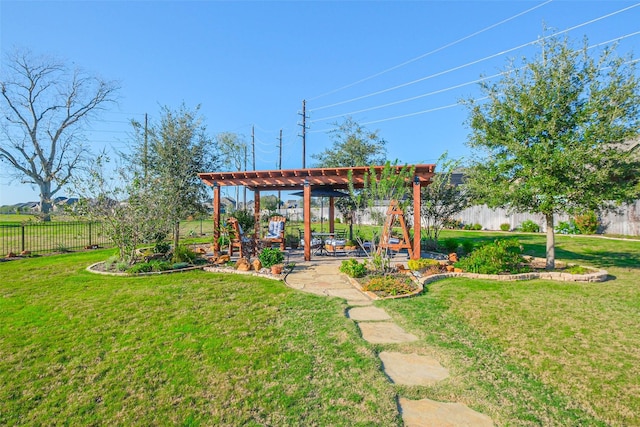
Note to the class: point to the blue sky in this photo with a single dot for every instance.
(396, 66)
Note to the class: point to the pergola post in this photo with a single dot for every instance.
(332, 214)
(417, 223)
(216, 219)
(256, 214)
(306, 212)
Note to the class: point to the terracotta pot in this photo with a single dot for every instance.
(276, 269)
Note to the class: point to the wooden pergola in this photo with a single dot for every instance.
(306, 179)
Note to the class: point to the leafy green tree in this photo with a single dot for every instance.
(177, 149)
(353, 145)
(553, 135)
(233, 153)
(45, 106)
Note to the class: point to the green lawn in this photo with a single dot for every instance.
(537, 352)
(197, 348)
(193, 348)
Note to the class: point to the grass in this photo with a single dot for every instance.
(536, 352)
(197, 348)
(193, 348)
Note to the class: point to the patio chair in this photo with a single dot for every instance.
(239, 240)
(336, 244)
(316, 242)
(275, 232)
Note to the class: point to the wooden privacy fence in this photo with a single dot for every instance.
(40, 237)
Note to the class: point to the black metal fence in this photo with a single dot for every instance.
(41, 237)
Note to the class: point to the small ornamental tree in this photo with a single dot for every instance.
(553, 135)
(177, 149)
(392, 183)
(441, 200)
(120, 200)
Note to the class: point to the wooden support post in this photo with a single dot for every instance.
(216, 219)
(417, 223)
(256, 215)
(332, 214)
(307, 221)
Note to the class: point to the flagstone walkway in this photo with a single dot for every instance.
(322, 277)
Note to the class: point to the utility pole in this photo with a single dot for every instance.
(280, 168)
(304, 132)
(244, 197)
(253, 147)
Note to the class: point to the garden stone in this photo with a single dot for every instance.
(412, 369)
(429, 413)
(384, 333)
(367, 313)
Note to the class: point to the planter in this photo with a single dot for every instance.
(276, 269)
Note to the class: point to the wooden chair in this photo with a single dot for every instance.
(275, 232)
(239, 240)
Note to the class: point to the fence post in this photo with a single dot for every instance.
(22, 237)
(90, 234)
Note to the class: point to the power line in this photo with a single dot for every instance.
(474, 62)
(435, 92)
(431, 52)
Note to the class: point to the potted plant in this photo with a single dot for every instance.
(277, 268)
(270, 256)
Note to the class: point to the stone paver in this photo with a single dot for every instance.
(367, 313)
(384, 333)
(322, 278)
(429, 413)
(412, 369)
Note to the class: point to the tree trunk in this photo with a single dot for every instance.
(551, 244)
(45, 201)
(176, 236)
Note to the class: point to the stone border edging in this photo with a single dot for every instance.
(148, 273)
(254, 273)
(373, 296)
(598, 276)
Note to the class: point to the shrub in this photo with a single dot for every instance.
(452, 224)
(179, 265)
(421, 263)
(158, 265)
(467, 246)
(505, 226)
(353, 268)
(389, 285)
(451, 245)
(270, 256)
(587, 223)
(245, 218)
(183, 254)
(503, 255)
(143, 267)
(476, 227)
(567, 227)
(529, 226)
(161, 247)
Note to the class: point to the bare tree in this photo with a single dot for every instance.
(45, 106)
